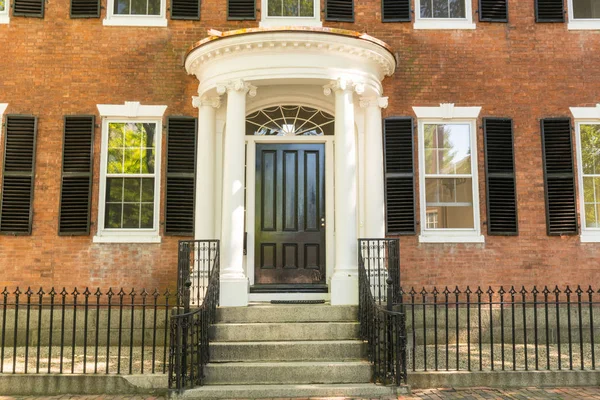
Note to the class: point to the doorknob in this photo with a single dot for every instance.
(323, 221)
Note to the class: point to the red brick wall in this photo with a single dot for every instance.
(56, 66)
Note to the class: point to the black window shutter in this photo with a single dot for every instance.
(399, 176)
(241, 9)
(559, 176)
(339, 10)
(76, 184)
(549, 11)
(16, 211)
(28, 8)
(85, 8)
(185, 9)
(500, 176)
(395, 10)
(493, 10)
(181, 163)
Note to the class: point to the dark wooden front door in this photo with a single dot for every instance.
(290, 216)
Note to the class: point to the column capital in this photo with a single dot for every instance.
(375, 101)
(237, 85)
(212, 101)
(342, 84)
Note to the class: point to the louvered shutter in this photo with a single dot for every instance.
(549, 11)
(241, 9)
(339, 10)
(85, 8)
(16, 210)
(185, 9)
(399, 176)
(395, 10)
(493, 10)
(181, 162)
(500, 176)
(559, 176)
(28, 8)
(76, 185)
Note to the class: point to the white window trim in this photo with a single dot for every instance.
(584, 115)
(444, 23)
(266, 21)
(448, 114)
(113, 19)
(581, 24)
(5, 15)
(129, 112)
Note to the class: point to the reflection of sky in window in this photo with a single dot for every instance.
(459, 141)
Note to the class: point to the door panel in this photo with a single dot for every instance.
(290, 208)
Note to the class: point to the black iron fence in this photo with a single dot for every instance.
(515, 329)
(109, 332)
(382, 324)
(198, 285)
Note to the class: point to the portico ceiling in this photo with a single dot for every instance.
(291, 55)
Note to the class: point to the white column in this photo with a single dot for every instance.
(234, 283)
(374, 179)
(205, 167)
(344, 282)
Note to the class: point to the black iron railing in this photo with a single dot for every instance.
(515, 329)
(382, 323)
(198, 287)
(88, 331)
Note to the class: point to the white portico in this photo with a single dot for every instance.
(247, 181)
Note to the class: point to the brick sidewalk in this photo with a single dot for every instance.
(429, 394)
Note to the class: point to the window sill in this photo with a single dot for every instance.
(458, 238)
(128, 239)
(422, 24)
(4, 19)
(583, 25)
(133, 21)
(589, 237)
(273, 22)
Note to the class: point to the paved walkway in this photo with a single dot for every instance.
(430, 394)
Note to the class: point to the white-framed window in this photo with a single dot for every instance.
(587, 139)
(443, 14)
(449, 194)
(136, 13)
(4, 6)
(584, 14)
(290, 13)
(129, 196)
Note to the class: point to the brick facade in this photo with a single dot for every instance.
(523, 70)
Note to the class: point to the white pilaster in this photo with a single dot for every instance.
(234, 283)
(344, 282)
(205, 167)
(374, 179)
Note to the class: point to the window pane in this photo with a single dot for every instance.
(114, 190)
(2, 5)
(153, 7)
(291, 8)
(447, 149)
(147, 189)
(115, 161)
(426, 9)
(121, 6)
(131, 216)
(147, 216)
(586, 9)
(590, 148)
(274, 8)
(451, 217)
(457, 8)
(131, 190)
(591, 220)
(440, 8)
(147, 157)
(112, 218)
(138, 7)
(307, 8)
(449, 191)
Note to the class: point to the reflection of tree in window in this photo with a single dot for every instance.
(442, 9)
(590, 167)
(137, 7)
(2, 5)
(291, 8)
(130, 176)
(586, 9)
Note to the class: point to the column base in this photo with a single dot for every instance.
(234, 292)
(344, 289)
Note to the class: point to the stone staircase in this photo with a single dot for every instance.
(267, 351)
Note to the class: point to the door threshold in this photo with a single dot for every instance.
(262, 297)
(290, 288)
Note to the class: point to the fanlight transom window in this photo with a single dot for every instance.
(289, 121)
